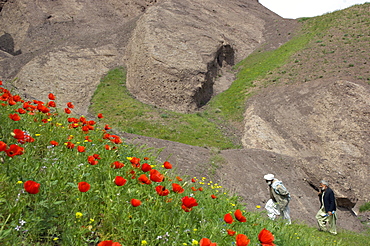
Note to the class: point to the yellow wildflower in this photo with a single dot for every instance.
(20, 182)
(143, 242)
(78, 215)
(194, 242)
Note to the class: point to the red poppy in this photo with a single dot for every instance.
(120, 181)
(14, 150)
(144, 179)
(239, 216)
(200, 188)
(228, 218)
(87, 138)
(230, 232)
(43, 109)
(55, 143)
(100, 116)
(31, 187)
(109, 243)
(177, 188)
(213, 196)
(96, 156)
(70, 145)
(67, 111)
(167, 165)
(117, 165)
(51, 96)
(15, 117)
(178, 178)
(146, 167)
(80, 148)
(21, 111)
(2, 146)
(70, 105)
(156, 176)
(188, 203)
(83, 186)
(106, 127)
(92, 160)
(135, 202)
(107, 147)
(51, 104)
(193, 189)
(85, 129)
(162, 191)
(266, 238)
(135, 162)
(242, 240)
(193, 180)
(206, 242)
(146, 158)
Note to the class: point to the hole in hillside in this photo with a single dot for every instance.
(224, 57)
(7, 44)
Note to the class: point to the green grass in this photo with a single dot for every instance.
(129, 115)
(59, 214)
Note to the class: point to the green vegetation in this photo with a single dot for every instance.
(127, 114)
(46, 155)
(365, 207)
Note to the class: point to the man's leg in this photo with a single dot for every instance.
(332, 219)
(321, 220)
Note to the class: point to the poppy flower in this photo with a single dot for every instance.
(162, 191)
(242, 240)
(230, 232)
(167, 165)
(96, 156)
(15, 117)
(54, 143)
(156, 176)
(100, 115)
(188, 203)
(193, 180)
(70, 105)
(200, 188)
(80, 149)
(213, 196)
(84, 186)
(109, 243)
(43, 109)
(21, 111)
(51, 104)
(70, 145)
(14, 150)
(135, 162)
(193, 188)
(120, 181)
(92, 160)
(144, 179)
(67, 111)
(146, 158)
(177, 188)
(228, 218)
(135, 202)
(266, 238)
(2, 146)
(206, 242)
(51, 96)
(239, 216)
(31, 187)
(117, 165)
(106, 127)
(178, 178)
(146, 167)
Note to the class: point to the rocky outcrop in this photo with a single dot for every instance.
(321, 123)
(178, 48)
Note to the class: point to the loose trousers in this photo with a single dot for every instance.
(324, 220)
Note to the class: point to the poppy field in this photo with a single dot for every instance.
(68, 180)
